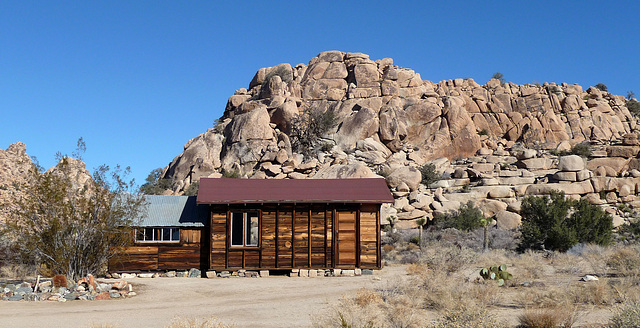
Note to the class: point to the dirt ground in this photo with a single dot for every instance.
(276, 301)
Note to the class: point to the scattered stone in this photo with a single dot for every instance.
(589, 277)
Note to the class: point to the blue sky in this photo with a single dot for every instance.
(138, 79)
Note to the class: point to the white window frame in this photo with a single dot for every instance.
(157, 234)
(246, 223)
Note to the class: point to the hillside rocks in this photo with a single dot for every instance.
(14, 171)
(492, 143)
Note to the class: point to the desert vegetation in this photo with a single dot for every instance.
(444, 285)
(68, 222)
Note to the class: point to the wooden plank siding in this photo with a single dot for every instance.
(299, 236)
(150, 256)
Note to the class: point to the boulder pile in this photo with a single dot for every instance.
(61, 290)
(492, 143)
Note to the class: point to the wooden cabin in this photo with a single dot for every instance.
(172, 234)
(284, 224)
(262, 224)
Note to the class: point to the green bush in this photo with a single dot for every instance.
(193, 189)
(231, 174)
(326, 147)
(429, 174)
(555, 222)
(308, 128)
(630, 232)
(601, 87)
(499, 76)
(633, 106)
(582, 149)
(483, 132)
(466, 218)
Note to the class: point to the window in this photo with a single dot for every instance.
(158, 234)
(244, 229)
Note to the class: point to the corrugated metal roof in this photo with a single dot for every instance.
(234, 191)
(173, 211)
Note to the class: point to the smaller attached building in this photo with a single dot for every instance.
(172, 235)
(285, 224)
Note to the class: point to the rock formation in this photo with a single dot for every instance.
(15, 166)
(14, 171)
(493, 143)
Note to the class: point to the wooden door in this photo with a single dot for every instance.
(346, 241)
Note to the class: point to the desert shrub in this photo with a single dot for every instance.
(468, 317)
(498, 76)
(547, 318)
(16, 270)
(308, 128)
(193, 188)
(197, 323)
(466, 218)
(285, 74)
(626, 261)
(448, 259)
(59, 280)
(582, 149)
(601, 87)
(627, 316)
(633, 106)
(429, 174)
(555, 222)
(326, 146)
(155, 184)
(483, 132)
(231, 174)
(630, 232)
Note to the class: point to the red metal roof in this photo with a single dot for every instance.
(234, 191)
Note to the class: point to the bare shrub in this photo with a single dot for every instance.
(559, 316)
(367, 311)
(447, 259)
(596, 256)
(593, 293)
(543, 297)
(626, 261)
(197, 323)
(15, 271)
(570, 264)
(626, 316)
(528, 265)
(467, 317)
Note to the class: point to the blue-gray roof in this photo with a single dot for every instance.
(173, 211)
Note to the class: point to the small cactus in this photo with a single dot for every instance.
(498, 273)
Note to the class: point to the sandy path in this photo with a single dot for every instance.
(246, 302)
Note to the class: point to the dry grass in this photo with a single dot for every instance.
(559, 316)
(467, 317)
(443, 283)
(626, 261)
(15, 271)
(197, 323)
(626, 316)
(178, 322)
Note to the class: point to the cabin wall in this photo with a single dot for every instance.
(299, 236)
(184, 255)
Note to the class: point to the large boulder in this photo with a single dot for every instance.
(404, 174)
(350, 171)
(571, 163)
(508, 220)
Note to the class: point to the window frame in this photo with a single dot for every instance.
(246, 234)
(157, 235)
